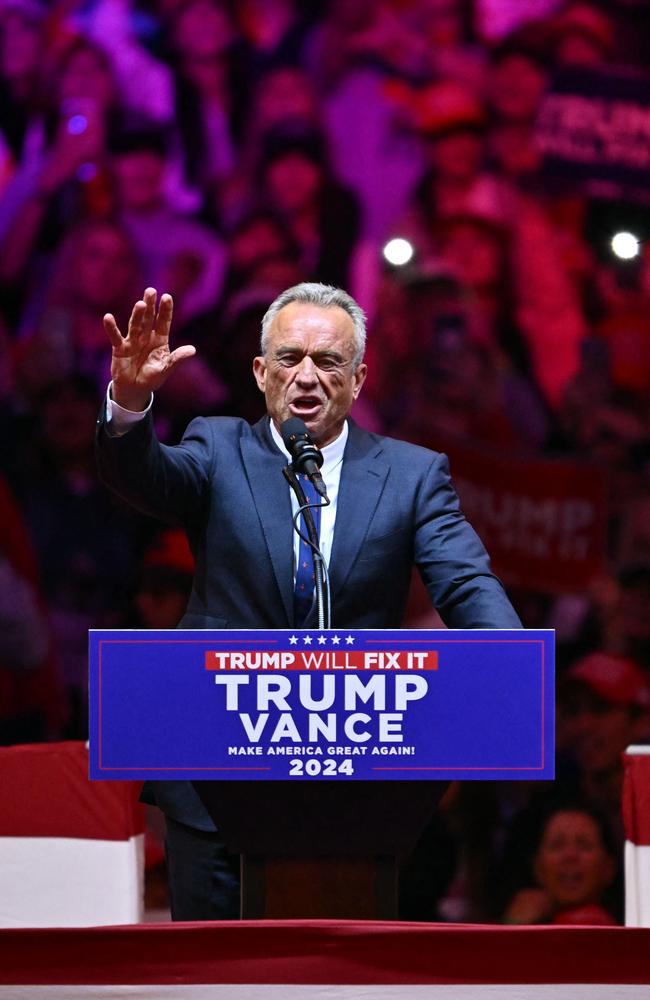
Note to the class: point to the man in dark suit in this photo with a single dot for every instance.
(392, 506)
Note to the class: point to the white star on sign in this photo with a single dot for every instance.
(335, 640)
(321, 640)
(349, 640)
(293, 639)
(307, 640)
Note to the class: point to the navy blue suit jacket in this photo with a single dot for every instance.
(223, 483)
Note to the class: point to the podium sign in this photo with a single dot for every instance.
(309, 705)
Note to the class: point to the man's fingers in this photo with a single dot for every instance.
(181, 353)
(149, 297)
(136, 317)
(164, 318)
(144, 321)
(112, 331)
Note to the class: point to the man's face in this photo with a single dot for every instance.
(308, 369)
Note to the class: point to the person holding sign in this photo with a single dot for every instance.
(391, 506)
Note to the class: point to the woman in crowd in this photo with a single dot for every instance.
(573, 868)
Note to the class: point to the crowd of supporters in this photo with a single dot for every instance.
(222, 151)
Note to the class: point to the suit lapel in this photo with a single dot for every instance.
(363, 477)
(264, 463)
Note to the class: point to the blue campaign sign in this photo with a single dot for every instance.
(344, 705)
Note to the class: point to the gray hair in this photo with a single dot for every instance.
(325, 296)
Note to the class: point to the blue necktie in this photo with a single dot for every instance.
(304, 589)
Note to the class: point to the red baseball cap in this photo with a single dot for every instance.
(171, 550)
(613, 678)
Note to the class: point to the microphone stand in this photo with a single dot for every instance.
(321, 588)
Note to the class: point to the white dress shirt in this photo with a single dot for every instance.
(331, 473)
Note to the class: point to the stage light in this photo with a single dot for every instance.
(77, 124)
(625, 245)
(398, 251)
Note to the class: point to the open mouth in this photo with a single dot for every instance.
(571, 881)
(305, 406)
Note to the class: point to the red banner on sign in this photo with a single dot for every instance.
(316, 660)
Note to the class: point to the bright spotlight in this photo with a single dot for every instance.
(398, 252)
(625, 245)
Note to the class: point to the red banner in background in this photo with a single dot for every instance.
(542, 521)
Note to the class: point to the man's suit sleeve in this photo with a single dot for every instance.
(170, 483)
(452, 559)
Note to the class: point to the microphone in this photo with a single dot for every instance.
(305, 456)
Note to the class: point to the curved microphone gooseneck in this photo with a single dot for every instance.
(307, 460)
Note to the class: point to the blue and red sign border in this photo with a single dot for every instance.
(539, 642)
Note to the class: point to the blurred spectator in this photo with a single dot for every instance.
(31, 702)
(164, 581)
(544, 304)
(176, 253)
(283, 101)
(259, 238)
(606, 426)
(84, 543)
(95, 270)
(62, 173)
(496, 20)
(367, 34)
(585, 35)
(263, 261)
(201, 40)
(603, 707)
(452, 122)
(622, 301)
(125, 32)
(21, 41)
(320, 215)
(574, 864)
(363, 47)
(517, 77)
(284, 98)
(626, 617)
(273, 33)
(447, 380)
(446, 31)
(547, 306)
(477, 250)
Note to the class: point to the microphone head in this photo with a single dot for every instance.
(299, 444)
(292, 429)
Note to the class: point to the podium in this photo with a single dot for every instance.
(321, 756)
(320, 850)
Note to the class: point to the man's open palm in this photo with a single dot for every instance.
(142, 361)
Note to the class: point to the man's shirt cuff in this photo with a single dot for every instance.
(119, 419)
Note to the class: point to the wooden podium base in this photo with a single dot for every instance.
(342, 888)
(321, 849)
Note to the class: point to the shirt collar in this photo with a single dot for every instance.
(332, 452)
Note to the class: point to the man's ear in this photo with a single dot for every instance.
(359, 378)
(259, 371)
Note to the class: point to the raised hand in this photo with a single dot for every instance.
(142, 361)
